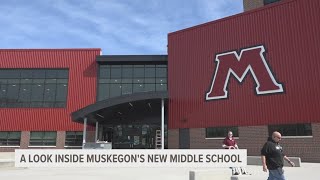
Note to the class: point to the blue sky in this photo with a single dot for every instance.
(115, 26)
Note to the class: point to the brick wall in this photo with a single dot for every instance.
(173, 138)
(252, 138)
(252, 4)
(25, 139)
(198, 140)
(61, 139)
(306, 148)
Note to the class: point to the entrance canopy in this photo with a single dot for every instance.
(147, 104)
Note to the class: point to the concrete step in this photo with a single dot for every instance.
(6, 163)
(6, 159)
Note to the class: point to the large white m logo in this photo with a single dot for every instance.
(250, 59)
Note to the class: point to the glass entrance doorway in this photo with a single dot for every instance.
(132, 136)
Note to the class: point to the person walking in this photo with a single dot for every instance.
(272, 157)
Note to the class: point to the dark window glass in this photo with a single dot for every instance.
(36, 104)
(124, 81)
(25, 93)
(39, 74)
(150, 87)
(3, 92)
(62, 81)
(38, 81)
(62, 74)
(51, 74)
(115, 90)
(138, 80)
(103, 91)
(126, 89)
(26, 74)
(150, 72)
(26, 81)
(74, 138)
(221, 132)
(33, 87)
(41, 138)
(10, 138)
(161, 87)
(115, 81)
(161, 72)
(138, 88)
(10, 74)
(37, 92)
(50, 92)
(104, 73)
(48, 104)
(150, 80)
(61, 92)
(127, 72)
(13, 92)
(128, 79)
(265, 2)
(291, 129)
(13, 81)
(116, 73)
(161, 80)
(51, 81)
(138, 71)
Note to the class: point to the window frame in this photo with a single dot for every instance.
(280, 128)
(225, 129)
(43, 140)
(74, 139)
(131, 78)
(28, 78)
(7, 139)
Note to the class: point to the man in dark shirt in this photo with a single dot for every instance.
(272, 157)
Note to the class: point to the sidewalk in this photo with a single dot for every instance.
(308, 171)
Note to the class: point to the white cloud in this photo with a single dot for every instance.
(118, 27)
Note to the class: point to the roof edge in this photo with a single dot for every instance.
(81, 113)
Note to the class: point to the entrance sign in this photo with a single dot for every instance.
(250, 59)
(130, 158)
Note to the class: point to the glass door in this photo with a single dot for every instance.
(133, 137)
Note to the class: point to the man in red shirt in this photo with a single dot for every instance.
(229, 142)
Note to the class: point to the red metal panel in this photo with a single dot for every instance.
(81, 88)
(289, 31)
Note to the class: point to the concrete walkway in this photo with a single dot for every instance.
(308, 171)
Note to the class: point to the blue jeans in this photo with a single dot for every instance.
(276, 174)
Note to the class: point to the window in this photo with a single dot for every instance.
(291, 129)
(118, 80)
(33, 87)
(265, 2)
(41, 138)
(74, 138)
(221, 132)
(8, 138)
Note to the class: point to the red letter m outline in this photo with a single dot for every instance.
(250, 59)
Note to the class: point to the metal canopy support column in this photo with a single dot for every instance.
(162, 123)
(84, 131)
(97, 130)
